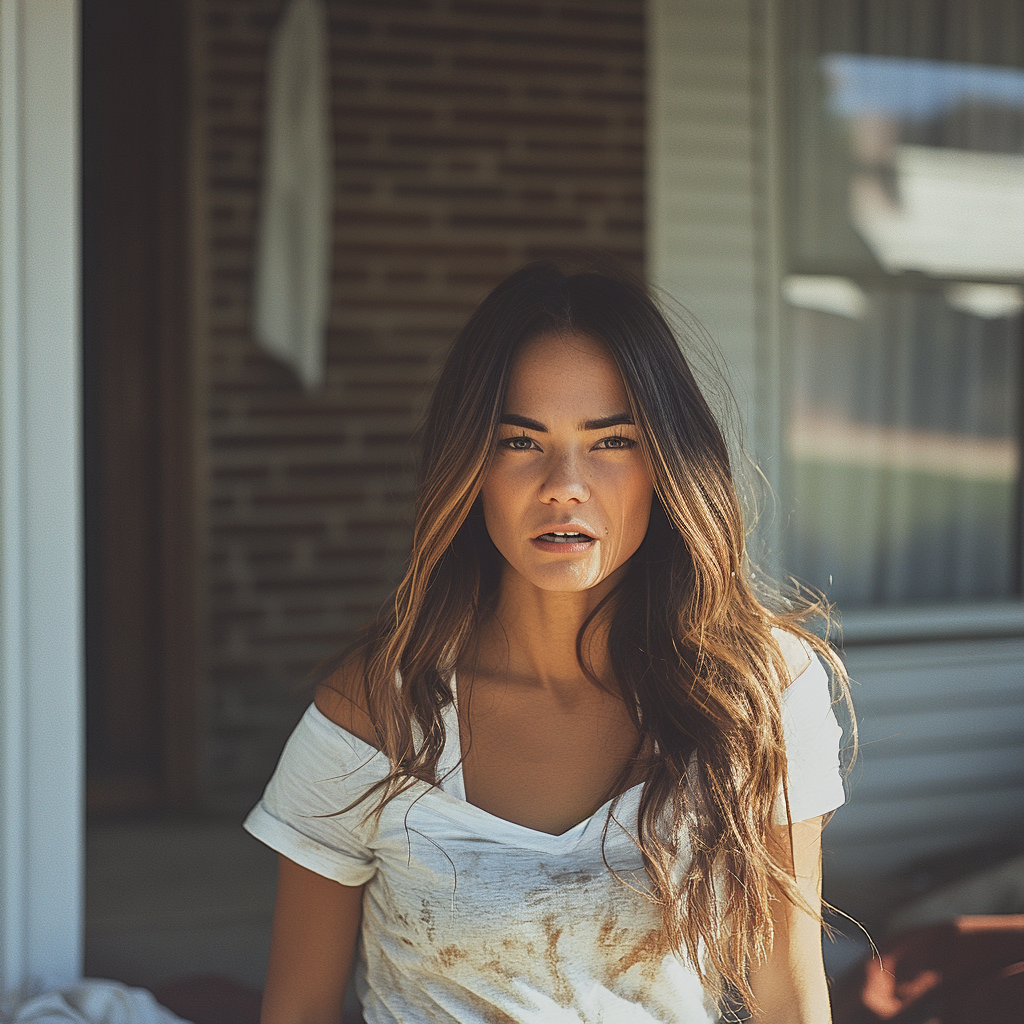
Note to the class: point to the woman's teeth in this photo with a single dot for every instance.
(564, 538)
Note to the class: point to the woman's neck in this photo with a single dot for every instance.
(532, 633)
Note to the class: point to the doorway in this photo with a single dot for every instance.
(142, 391)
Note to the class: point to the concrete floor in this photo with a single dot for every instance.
(167, 899)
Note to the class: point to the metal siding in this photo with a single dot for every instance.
(940, 769)
(701, 197)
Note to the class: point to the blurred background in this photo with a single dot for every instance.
(834, 188)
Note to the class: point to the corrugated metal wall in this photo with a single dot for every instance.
(942, 722)
(941, 766)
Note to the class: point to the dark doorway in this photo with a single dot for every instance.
(141, 385)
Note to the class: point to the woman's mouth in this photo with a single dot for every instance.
(567, 541)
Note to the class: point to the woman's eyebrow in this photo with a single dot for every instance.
(522, 421)
(608, 421)
(514, 420)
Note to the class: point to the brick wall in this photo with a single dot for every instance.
(471, 137)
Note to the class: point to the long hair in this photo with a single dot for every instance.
(689, 641)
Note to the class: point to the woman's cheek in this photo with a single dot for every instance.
(502, 486)
(500, 513)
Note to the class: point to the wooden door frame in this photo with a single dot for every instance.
(183, 436)
(174, 284)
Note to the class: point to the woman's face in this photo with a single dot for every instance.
(568, 495)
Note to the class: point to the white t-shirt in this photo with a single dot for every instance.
(471, 918)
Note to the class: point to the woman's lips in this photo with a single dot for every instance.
(567, 542)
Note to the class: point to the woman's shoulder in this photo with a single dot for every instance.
(341, 697)
(796, 652)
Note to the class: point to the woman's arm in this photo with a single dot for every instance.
(790, 987)
(316, 924)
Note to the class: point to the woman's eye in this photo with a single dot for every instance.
(616, 443)
(521, 443)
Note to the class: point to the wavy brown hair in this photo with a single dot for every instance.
(689, 640)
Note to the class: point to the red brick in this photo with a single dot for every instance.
(471, 136)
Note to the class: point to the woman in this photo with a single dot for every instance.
(576, 770)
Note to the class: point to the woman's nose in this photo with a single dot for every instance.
(565, 481)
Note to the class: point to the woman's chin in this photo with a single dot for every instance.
(566, 578)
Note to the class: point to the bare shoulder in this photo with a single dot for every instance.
(341, 697)
(795, 651)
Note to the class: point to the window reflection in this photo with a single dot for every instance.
(906, 227)
(902, 451)
(938, 154)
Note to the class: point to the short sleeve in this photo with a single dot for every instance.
(302, 813)
(813, 738)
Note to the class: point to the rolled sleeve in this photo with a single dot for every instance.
(306, 814)
(813, 738)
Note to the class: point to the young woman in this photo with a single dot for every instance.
(576, 770)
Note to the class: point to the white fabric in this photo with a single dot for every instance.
(90, 1002)
(468, 917)
(292, 287)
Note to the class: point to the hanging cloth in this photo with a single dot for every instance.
(295, 231)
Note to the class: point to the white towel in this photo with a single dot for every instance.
(295, 232)
(90, 1002)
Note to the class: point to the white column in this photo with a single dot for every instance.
(713, 208)
(701, 172)
(41, 664)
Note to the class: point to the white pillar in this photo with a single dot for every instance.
(41, 663)
(713, 207)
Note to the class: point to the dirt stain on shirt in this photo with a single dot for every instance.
(649, 952)
(562, 989)
(427, 917)
(610, 935)
(451, 955)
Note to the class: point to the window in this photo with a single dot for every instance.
(905, 238)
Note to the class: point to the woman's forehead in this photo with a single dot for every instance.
(566, 371)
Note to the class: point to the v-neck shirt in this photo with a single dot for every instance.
(471, 918)
(453, 782)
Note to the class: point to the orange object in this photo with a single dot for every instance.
(966, 971)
